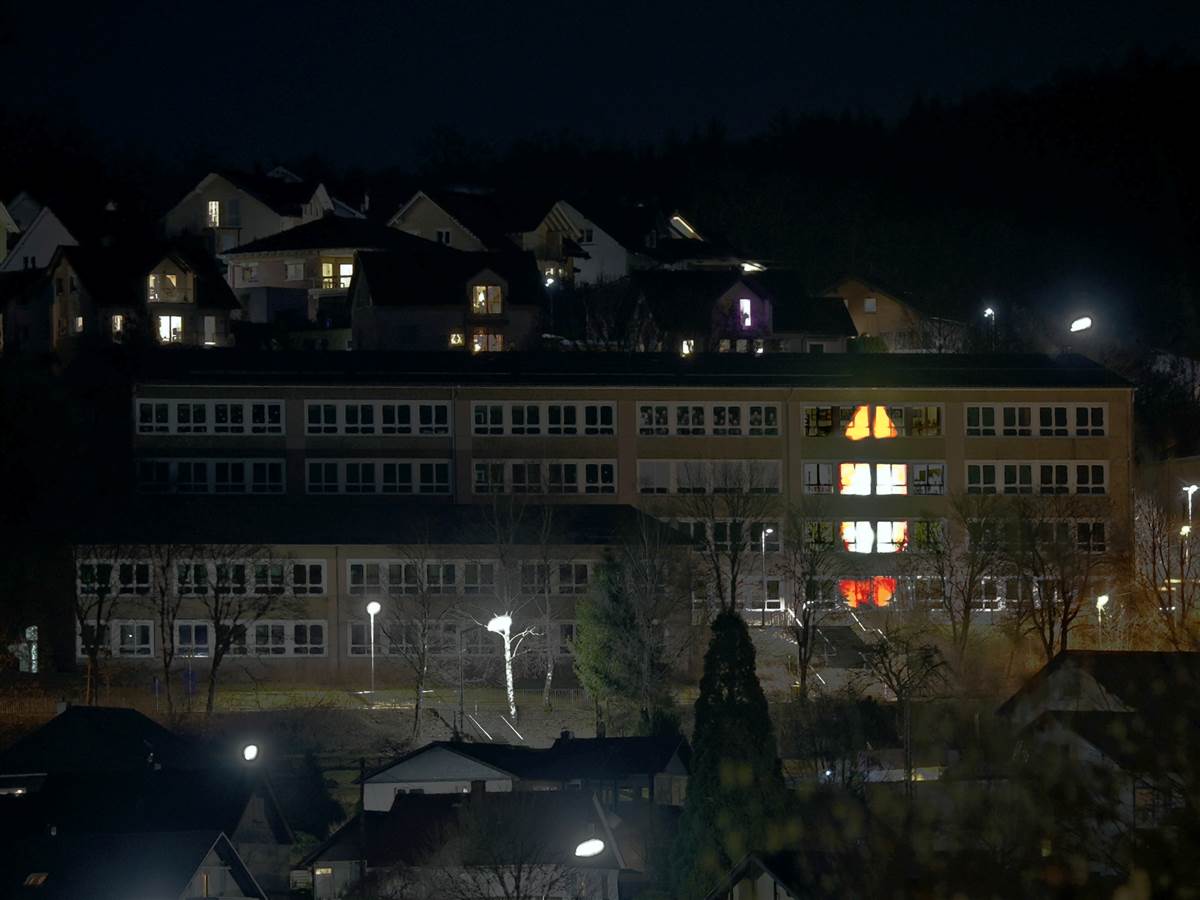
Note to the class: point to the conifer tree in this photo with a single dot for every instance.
(736, 798)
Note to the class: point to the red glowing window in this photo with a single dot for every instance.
(867, 592)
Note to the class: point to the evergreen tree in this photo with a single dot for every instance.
(736, 799)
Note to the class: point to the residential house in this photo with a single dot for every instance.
(617, 770)
(177, 864)
(9, 231)
(786, 875)
(414, 299)
(294, 274)
(24, 208)
(188, 302)
(37, 243)
(551, 844)
(891, 316)
(95, 770)
(234, 208)
(1145, 682)
(801, 323)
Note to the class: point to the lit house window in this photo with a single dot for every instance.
(891, 478)
(336, 275)
(862, 426)
(858, 537)
(214, 213)
(170, 329)
(744, 312)
(687, 347)
(869, 304)
(486, 300)
(484, 341)
(855, 479)
(860, 592)
(210, 331)
(457, 339)
(118, 325)
(79, 324)
(161, 287)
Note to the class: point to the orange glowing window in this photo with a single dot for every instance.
(891, 478)
(867, 592)
(884, 426)
(858, 537)
(860, 424)
(854, 478)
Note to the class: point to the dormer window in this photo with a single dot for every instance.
(214, 213)
(161, 287)
(744, 311)
(869, 304)
(487, 300)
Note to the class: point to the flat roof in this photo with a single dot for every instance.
(569, 369)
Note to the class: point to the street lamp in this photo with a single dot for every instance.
(765, 532)
(1083, 323)
(250, 753)
(1101, 602)
(590, 847)
(372, 611)
(1189, 490)
(990, 315)
(502, 625)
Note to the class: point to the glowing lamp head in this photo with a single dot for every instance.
(500, 624)
(250, 753)
(1101, 602)
(373, 608)
(1191, 489)
(1083, 323)
(589, 848)
(989, 313)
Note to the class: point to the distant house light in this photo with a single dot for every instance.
(749, 266)
(745, 311)
(457, 339)
(683, 226)
(686, 347)
(214, 213)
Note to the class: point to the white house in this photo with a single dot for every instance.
(36, 245)
(9, 229)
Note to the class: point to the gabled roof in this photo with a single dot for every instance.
(7, 222)
(799, 874)
(46, 221)
(331, 232)
(284, 196)
(795, 310)
(387, 520)
(437, 276)
(490, 217)
(136, 866)
(1127, 739)
(97, 739)
(1147, 681)
(212, 290)
(902, 297)
(682, 302)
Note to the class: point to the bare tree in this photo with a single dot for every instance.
(103, 572)
(909, 669)
(724, 504)
(810, 559)
(1166, 571)
(244, 584)
(165, 599)
(1054, 546)
(957, 553)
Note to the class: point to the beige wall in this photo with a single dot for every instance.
(252, 221)
(424, 218)
(891, 315)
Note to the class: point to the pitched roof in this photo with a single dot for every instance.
(802, 874)
(1148, 681)
(143, 866)
(794, 309)
(283, 195)
(492, 217)
(212, 290)
(351, 520)
(97, 739)
(1128, 739)
(331, 232)
(683, 301)
(431, 275)
(734, 370)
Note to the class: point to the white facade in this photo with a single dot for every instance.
(437, 770)
(608, 259)
(38, 242)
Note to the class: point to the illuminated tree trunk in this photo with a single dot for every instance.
(508, 674)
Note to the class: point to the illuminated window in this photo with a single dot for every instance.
(867, 592)
(161, 286)
(854, 479)
(484, 341)
(744, 312)
(214, 213)
(885, 423)
(210, 331)
(891, 537)
(759, 348)
(486, 300)
(79, 324)
(170, 329)
(118, 325)
(860, 424)
(869, 304)
(457, 339)
(891, 479)
(686, 347)
(858, 537)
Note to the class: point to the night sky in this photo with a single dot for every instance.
(364, 82)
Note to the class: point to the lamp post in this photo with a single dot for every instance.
(765, 532)
(990, 315)
(372, 611)
(1101, 602)
(502, 625)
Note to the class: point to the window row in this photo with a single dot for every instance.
(553, 419)
(443, 638)
(401, 577)
(692, 476)
(210, 476)
(858, 421)
(209, 416)
(733, 535)
(355, 417)
(1084, 535)
(879, 479)
(194, 638)
(192, 578)
(546, 477)
(1039, 477)
(718, 419)
(1076, 420)
(378, 476)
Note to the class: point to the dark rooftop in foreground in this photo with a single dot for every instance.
(332, 232)
(829, 370)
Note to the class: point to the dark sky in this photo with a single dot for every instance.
(363, 82)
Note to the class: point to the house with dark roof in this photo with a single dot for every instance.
(126, 866)
(37, 242)
(617, 769)
(9, 230)
(230, 208)
(796, 874)
(903, 324)
(551, 843)
(412, 299)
